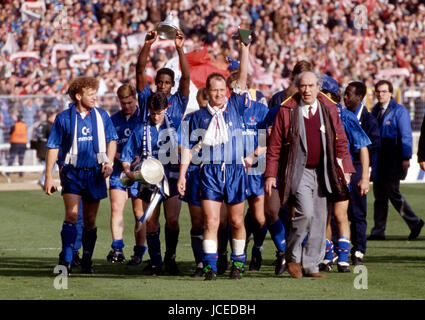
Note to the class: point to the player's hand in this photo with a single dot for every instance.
(422, 165)
(181, 185)
(107, 170)
(269, 184)
(130, 175)
(135, 162)
(179, 41)
(405, 165)
(363, 186)
(151, 37)
(49, 186)
(249, 161)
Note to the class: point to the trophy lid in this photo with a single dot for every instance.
(167, 29)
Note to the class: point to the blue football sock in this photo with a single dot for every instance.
(329, 250)
(68, 235)
(238, 258)
(343, 249)
(171, 239)
(210, 259)
(118, 244)
(154, 247)
(139, 251)
(196, 237)
(89, 241)
(277, 231)
(79, 226)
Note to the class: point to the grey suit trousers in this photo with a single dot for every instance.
(310, 220)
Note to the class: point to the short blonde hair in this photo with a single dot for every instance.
(126, 90)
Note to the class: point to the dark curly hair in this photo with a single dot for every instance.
(158, 101)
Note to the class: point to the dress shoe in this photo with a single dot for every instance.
(376, 237)
(294, 269)
(416, 230)
(357, 258)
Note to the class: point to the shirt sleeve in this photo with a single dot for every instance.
(133, 146)
(355, 134)
(56, 134)
(274, 146)
(142, 98)
(405, 130)
(110, 131)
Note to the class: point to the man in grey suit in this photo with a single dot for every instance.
(308, 152)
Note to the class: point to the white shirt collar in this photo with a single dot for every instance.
(304, 108)
(385, 106)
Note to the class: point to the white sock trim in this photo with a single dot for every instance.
(238, 246)
(209, 246)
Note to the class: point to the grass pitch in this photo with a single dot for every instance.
(30, 244)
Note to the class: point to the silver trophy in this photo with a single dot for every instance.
(167, 29)
(149, 172)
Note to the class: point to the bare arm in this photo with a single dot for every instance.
(364, 181)
(243, 67)
(258, 152)
(51, 157)
(184, 65)
(142, 60)
(127, 169)
(185, 163)
(111, 150)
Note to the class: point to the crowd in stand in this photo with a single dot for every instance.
(346, 39)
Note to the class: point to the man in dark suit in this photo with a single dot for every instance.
(308, 152)
(393, 162)
(357, 210)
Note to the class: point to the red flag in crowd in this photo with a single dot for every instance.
(201, 66)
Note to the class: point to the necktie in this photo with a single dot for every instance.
(381, 114)
(310, 114)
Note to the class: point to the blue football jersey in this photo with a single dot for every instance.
(177, 105)
(233, 150)
(124, 126)
(60, 137)
(160, 147)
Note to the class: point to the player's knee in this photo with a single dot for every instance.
(173, 223)
(152, 226)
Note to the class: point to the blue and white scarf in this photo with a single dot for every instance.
(99, 140)
(147, 141)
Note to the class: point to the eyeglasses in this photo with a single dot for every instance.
(381, 91)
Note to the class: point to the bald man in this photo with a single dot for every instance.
(308, 153)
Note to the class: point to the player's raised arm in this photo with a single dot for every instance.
(243, 67)
(184, 65)
(142, 60)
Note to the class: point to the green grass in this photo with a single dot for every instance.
(30, 242)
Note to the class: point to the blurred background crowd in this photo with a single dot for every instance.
(45, 43)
